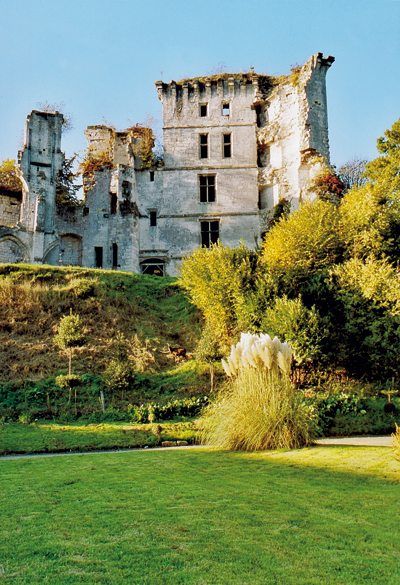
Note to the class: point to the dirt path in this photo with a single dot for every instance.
(350, 441)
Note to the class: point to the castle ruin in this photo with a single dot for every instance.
(235, 145)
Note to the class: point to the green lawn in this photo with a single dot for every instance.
(324, 515)
(49, 437)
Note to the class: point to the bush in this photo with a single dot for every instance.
(301, 327)
(261, 411)
(118, 377)
(214, 277)
(368, 314)
(308, 240)
(396, 442)
(343, 414)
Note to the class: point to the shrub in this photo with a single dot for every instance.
(368, 314)
(302, 328)
(118, 377)
(214, 278)
(309, 239)
(396, 442)
(261, 411)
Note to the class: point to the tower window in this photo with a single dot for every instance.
(153, 218)
(209, 232)
(151, 176)
(225, 109)
(207, 188)
(203, 145)
(203, 110)
(113, 203)
(226, 145)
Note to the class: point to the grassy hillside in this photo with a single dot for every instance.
(151, 312)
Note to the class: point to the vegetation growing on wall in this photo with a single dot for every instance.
(68, 123)
(328, 186)
(95, 161)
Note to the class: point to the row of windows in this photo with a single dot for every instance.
(209, 231)
(226, 145)
(203, 109)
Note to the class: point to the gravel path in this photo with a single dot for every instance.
(350, 441)
(358, 441)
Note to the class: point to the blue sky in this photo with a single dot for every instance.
(101, 58)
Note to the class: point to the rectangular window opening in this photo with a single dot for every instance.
(225, 109)
(227, 146)
(209, 233)
(207, 188)
(151, 176)
(113, 203)
(153, 218)
(203, 110)
(98, 256)
(126, 189)
(203, 145)
(115, 255)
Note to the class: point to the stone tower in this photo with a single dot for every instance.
(40, 161)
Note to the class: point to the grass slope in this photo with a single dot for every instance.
(309, 517)
(150, 311)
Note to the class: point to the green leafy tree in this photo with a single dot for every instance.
(119, 375)
(307, 240)
(214, 278)
(70, 335)
(371, 213)
(208, 350)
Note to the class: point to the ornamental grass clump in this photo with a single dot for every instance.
(261, 409)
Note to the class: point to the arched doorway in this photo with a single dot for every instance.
(153, 266)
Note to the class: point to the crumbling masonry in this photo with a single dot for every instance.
(234, 146)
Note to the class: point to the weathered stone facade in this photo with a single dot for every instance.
(234, 146)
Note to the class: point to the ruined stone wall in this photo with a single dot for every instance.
(110, 219)
(9, 210)
(40, 161)
(293, 134)
(10, 252)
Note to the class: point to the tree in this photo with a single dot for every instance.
(66, 188)
(215, 277)
(119, 376)
(352, 173)
(371, 213)
(70, 335)
(307, 240)
(9, 179)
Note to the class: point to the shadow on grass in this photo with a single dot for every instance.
(308, 517)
